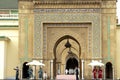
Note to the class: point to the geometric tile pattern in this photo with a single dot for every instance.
(67, 16)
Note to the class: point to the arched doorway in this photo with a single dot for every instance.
(71, 64)
(25, 70)
(66, 45)
(109, 71)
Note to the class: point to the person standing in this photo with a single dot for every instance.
(30, 72)
(77, 73)
(66, 71)
(40, 74)
(95, 72)
(45, 76)
(17, 73)
(100, 73)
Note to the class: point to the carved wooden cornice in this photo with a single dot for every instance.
(37, 2)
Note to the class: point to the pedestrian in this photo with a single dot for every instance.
(45, 76)
(30, 72)
(66, 71)
(100, 73)
(95, 72)
(17, 73)
(40, 74)
(77, 73)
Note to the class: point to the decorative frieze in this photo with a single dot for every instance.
(8, 16)
(67, 10)
(67, 1)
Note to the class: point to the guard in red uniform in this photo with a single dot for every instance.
(95, 72)
(100, 73)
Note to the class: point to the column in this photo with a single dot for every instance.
(51, 69)
(104, 72)
(64, 68)
(3, 47)
(113, 73)
(82, 69)
(59, 71)
(20, 73)
(2, 59)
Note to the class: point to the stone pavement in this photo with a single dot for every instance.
(65, 77)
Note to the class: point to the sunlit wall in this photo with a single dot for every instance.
(118, 51)
(9, 53)
(2, 53)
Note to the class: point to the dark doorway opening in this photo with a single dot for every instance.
(109, 71)
(25, 70)
(71, 64)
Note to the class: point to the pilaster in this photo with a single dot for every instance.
(26, 24)
(108, 23)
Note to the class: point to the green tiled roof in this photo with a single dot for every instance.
(8, 4)
(4, 38)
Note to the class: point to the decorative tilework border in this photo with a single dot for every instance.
(67, 10)
(41, 18)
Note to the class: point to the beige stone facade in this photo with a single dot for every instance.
(117, 50)
(89, 25)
